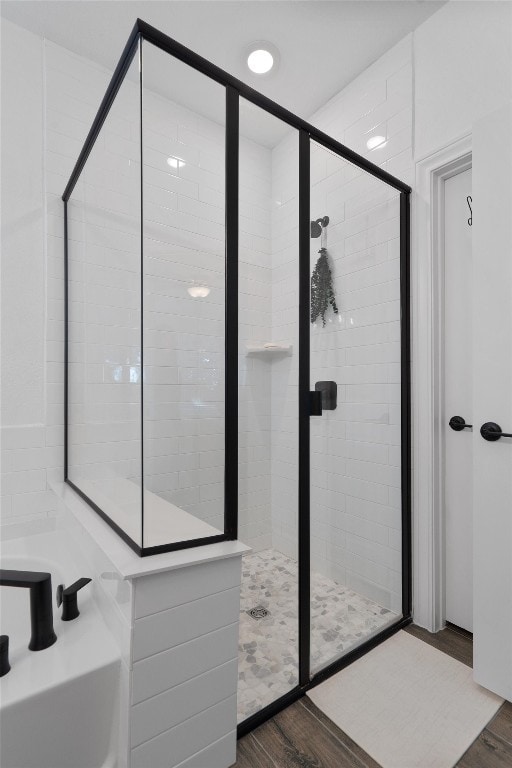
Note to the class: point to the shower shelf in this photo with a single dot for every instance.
(269, 351)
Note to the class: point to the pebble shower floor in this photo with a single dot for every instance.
(268, 644)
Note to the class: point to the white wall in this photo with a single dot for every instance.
(23, 269)
(463, 70)
(31, 437)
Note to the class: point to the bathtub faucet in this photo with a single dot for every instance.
(41, 613)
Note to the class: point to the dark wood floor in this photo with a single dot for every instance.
(301, 736)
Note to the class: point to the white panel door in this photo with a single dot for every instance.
(458, 400)
(492, 400)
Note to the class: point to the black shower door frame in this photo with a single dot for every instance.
(235, 89)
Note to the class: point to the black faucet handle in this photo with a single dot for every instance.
(67, 597)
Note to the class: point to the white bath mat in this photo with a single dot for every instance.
(407, 704)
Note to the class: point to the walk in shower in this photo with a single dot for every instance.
(237, 357)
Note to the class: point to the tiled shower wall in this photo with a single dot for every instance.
(184, 244)
(254, 399)
(184, 209)
(355, 450)
(192, 198)
(285, 370)
(183, 337)
(104, 305)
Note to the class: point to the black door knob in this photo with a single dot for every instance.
(457, 423)
(491, 431)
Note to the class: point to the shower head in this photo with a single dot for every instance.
(316, 226)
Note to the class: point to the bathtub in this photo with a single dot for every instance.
(59, 706)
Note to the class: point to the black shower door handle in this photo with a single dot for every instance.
(315, 403)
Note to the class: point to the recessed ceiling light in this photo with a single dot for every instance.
(175, 162)
(198, 291)
(260, 61)
(376, 141)
(262, 57)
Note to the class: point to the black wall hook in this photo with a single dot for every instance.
(469, 201)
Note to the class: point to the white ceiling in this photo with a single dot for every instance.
(323, 45)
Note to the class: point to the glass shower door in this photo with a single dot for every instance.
(355, 438)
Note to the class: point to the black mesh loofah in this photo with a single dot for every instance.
(322, 292)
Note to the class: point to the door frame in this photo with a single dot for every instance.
(427, 370)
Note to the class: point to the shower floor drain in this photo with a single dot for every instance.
(258, 613)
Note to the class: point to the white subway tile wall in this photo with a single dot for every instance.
(285, 318)
(71, 88)
(355, 450)
(183, 336)
(184, 207)
(364, 221)
(255, 328)
(25, 492)
(104, 270)
(184, 244)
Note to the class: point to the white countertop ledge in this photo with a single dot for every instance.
(127, 562)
